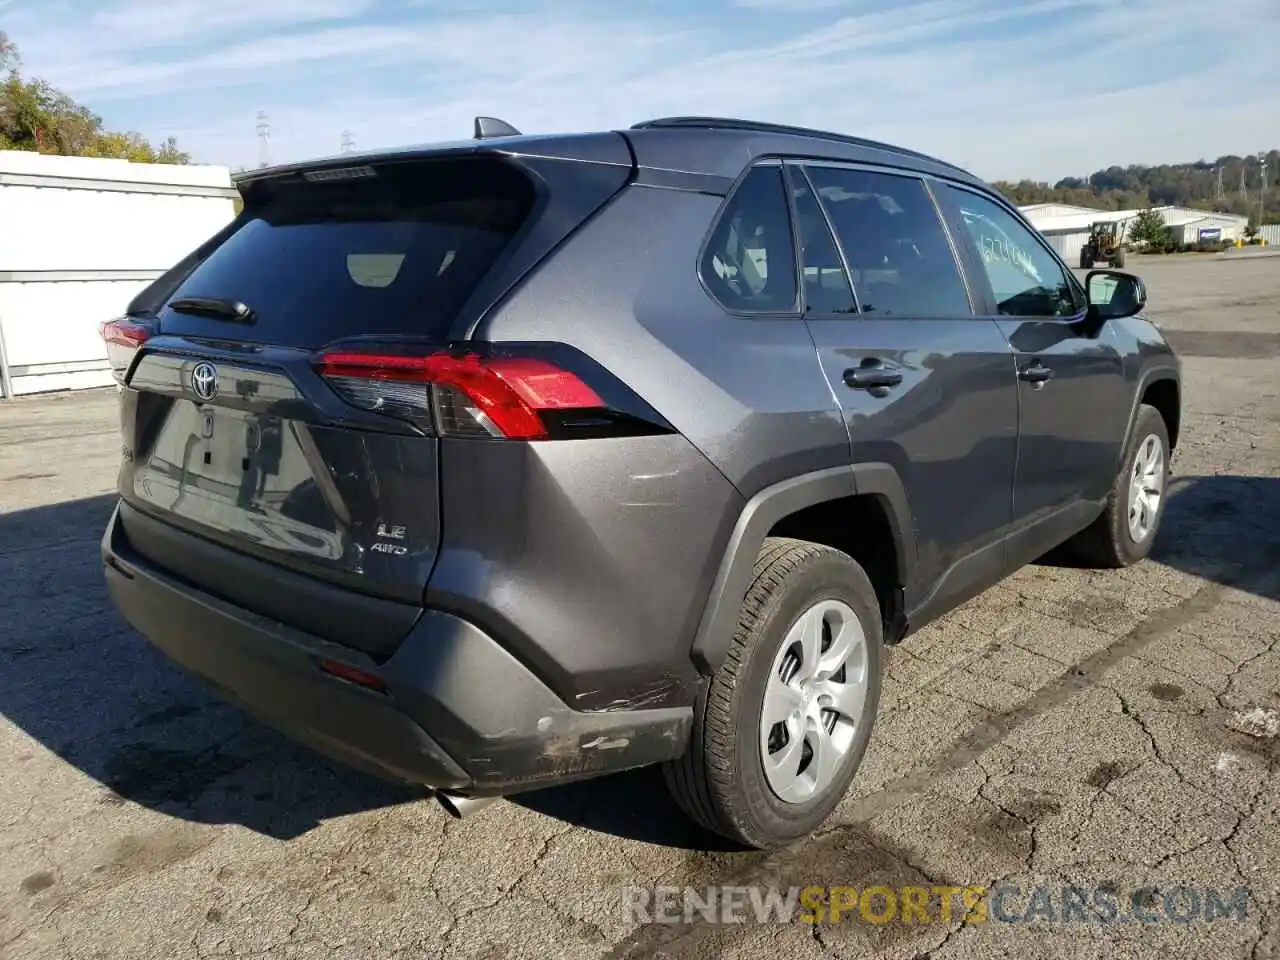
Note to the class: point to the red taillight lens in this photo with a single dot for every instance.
(122, 337)
(469, 395)
(344, 671)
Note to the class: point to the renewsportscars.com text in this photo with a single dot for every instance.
(1005, 903)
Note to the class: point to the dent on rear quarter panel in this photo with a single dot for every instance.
(589, 559)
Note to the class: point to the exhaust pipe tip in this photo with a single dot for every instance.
(459, 807)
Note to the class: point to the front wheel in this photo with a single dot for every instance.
(781, 728)
(1126, 531)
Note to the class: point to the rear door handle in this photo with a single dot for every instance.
(872, 374)
(1037, 373)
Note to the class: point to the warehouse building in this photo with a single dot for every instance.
(1202, 226)
(1067, 233)
(1045, 211)
(1066, 226)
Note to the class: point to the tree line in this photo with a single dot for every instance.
(1193, 185)
(37, 116)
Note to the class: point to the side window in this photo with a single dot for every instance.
(1025, 278)
(826, 284)
(750, 263)
(894, 241)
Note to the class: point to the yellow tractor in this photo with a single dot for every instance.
(1105, 243)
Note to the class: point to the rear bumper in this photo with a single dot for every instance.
(458, 711)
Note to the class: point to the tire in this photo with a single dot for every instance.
(721, 781)
(1110, 542)
(1085, 261)
(1118, 261)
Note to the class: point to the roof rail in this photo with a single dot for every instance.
(756, 126)
(489, 127)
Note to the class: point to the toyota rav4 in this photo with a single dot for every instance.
(509, 462)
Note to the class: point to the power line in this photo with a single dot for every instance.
(264, 139)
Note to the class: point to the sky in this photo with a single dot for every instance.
(1008, 88)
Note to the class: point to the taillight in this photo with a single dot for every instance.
(344, 671)
(459, 394)
(123, 336)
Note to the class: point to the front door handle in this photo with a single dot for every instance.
(1037, 374)
(872, 374)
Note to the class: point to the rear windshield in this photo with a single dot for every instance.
(397, 252)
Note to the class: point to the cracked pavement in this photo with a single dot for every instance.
(1064, 728)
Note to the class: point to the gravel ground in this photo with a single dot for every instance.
(1109, 730)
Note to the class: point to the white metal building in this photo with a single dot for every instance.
(1193, 226)
(1066, 226)
(1045, 211)
(79, 238)
(1067, 232)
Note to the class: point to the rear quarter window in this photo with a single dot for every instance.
(749, 264)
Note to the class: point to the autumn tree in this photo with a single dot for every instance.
(8, 52)
(1203, 184)
(36, 116)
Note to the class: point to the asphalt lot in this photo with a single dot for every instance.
(1093, 729)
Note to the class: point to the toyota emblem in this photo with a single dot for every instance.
(204, 381)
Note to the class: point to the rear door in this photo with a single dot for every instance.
(254, 420)
(926, 386)
(1072, 392)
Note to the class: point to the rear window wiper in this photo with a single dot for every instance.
(219, 308)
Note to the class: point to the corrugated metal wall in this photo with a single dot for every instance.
(102, 229)
(1232, 228)
(1270, 232)
(51, 330)
(1068, 245)
(81, 237)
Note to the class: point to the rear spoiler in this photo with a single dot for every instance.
(490, 136)
(494, 138)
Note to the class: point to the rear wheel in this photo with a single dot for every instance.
(1085, 260)
(782, 726)
(1125, 532)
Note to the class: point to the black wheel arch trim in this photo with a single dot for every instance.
(1146, 379)
(763, 511)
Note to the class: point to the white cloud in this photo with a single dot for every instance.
(134, 24)
(1098, 81)
(792, 6)
(123, 77)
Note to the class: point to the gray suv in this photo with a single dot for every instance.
(525, 459)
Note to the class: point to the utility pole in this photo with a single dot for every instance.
(1219, 193)
(1244, 189)
(348, 142)
(264, 140)
(1262, 194)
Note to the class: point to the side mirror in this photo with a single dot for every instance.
(1114, 295)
